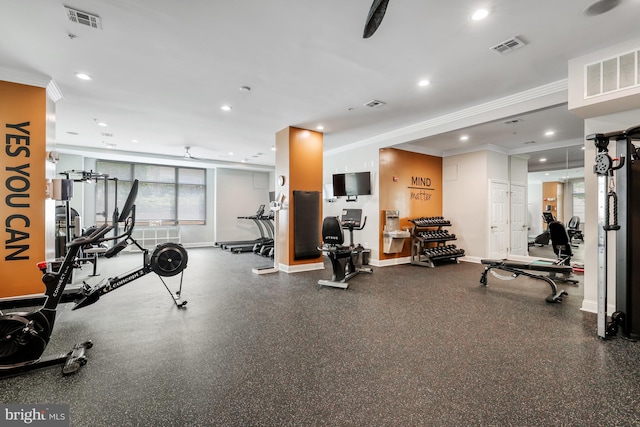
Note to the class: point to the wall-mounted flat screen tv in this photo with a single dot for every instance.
(352, 184)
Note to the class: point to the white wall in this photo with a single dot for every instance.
(497, 165)
(518, 169)
(534, 203)
(358, 160)
(465, 198)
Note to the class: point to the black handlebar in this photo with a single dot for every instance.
(351, 224)
(92, 238)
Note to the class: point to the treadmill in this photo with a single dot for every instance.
(239, 246)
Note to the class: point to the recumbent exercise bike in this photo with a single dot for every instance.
(24, 335)
(346, 261)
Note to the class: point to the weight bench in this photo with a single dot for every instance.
(517, 268)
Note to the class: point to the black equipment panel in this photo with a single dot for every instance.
(306, 224)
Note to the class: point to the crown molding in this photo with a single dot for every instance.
(539, 97)
(32, 79)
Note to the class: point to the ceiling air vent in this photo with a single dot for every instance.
(513, 122)
(508, 45)
(374, 104)
(84, 18)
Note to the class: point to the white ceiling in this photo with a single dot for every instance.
(162, 69)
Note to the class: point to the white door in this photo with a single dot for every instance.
(518, 214)
(498, 220)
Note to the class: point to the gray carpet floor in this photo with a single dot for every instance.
(406, 346)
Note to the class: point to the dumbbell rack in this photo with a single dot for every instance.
(427, 231)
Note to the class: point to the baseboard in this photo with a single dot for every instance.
(266, 270)
(300, 268)
(200, 245)
(591, 306)
(389, 262)
(473, 259)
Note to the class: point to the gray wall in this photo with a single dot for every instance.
(239, 193)
(230, 193)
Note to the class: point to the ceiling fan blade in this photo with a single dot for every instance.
(376, 13)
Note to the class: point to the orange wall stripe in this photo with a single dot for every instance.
(22, 188)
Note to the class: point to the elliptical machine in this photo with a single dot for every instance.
(24, 335)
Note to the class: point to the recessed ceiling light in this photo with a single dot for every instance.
(320, 127)
(480, 14)
(273, 148)
(231, 153)
(582, 148)
(546, 174)
(103, 124)
(83, 76)
(549, 133)
(423, 83)
(543, 159)
(464, 138)
(226, 108)
(135, 141)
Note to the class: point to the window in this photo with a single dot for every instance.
(166, 194)
(577, 199)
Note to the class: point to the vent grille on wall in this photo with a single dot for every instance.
(84, 18)
(508, 45)
(613, 74)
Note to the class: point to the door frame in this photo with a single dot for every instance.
(490, 215)
(509, 207)
(525, 216)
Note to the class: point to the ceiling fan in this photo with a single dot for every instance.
(188, 155)
(600, 7)
(376, 13)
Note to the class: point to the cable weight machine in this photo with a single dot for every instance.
(614, 184)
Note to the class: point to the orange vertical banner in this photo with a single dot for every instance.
(22, 187)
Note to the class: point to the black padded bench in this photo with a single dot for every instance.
(518, 268)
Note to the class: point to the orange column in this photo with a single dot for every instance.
(298, 167)
(411, 183)
(22, 188)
